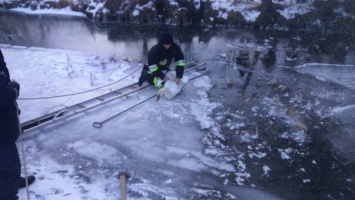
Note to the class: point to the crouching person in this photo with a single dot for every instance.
(160, 56)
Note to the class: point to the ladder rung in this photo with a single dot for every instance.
(133, 87)
(100, 98)
(80, 105)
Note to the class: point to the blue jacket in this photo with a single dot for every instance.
(9, 120)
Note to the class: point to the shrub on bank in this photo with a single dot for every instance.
(325, 16)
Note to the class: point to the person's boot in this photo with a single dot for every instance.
(140, 81)
(30, 180)
(142, 78)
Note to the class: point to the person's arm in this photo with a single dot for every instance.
(3, 67)
(153, 63)
(1, 57)
(9, 94)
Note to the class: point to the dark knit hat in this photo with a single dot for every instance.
(167, 38)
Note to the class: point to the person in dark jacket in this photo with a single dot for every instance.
(160, 57)
(10, 166)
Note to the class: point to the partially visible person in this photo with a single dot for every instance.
(10, 165)
(160, 57)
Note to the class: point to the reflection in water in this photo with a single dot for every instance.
(132, 41)
(80, 34)
(250, 65)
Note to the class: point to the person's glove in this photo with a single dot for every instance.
(15, 85)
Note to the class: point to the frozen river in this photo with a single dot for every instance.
(283, 131)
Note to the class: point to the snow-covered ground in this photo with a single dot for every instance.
(50, 73)
(64, 11)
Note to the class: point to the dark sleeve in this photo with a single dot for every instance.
(6, 71)
(179, 59)
(1, 57)
(153, 62)
(3, 67)
(9, 94)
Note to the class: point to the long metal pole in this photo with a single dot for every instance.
(100, 124)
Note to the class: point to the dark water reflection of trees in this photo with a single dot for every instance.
(75, 33)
